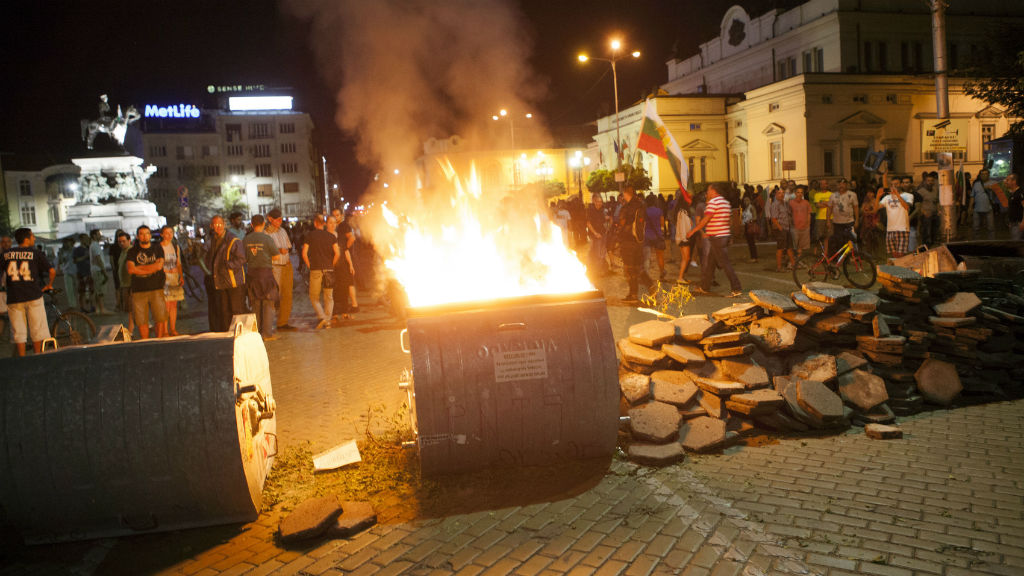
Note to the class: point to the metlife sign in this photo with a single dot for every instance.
(179, 111)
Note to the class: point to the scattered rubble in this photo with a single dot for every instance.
(822, 358)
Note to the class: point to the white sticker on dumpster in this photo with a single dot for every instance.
(515, 365)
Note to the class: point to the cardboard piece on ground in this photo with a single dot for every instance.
(340, 455)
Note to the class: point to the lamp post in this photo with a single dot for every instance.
(615, 46)
(578, 161)
(503, 113)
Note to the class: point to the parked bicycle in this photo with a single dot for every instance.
(857, 266)
(69, 327)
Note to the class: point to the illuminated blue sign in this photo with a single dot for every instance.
(179, 111)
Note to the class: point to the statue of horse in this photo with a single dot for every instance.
(115, 127)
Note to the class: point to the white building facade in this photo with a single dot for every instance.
(805, 93)
(39, 199)
(266, 154)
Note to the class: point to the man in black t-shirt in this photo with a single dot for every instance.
(320, 253)
(345, 300)
(145, 264)
(24, 268)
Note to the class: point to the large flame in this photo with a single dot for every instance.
(474, 249)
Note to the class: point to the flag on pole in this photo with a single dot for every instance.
(656, 139)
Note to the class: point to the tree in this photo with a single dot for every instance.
(602, 180)
(5, 217)
(1005, 90)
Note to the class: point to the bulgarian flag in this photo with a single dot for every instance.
(656, 139)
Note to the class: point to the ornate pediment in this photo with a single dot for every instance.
(774, 129)
(698, 145)
(862, 118)
(738, 142)
(990, 112)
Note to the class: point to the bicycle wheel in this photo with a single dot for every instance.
(860, 270)
(72, 328)
(811, 268)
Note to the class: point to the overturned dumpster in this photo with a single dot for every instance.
(513, 382)
(134, 437)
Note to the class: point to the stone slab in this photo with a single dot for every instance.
(818, 401)
(938, 382)
(952, 322)
(798, 318)
(862, 389)
(637, 354)
(833, 323)
(898, 274)
(719, 387)
(673, 387)
(879, 327)
(355, 517)
(773, 301)
(781, 422)
(848, 361)
(819, 367)
(959, 306)
(728, 351)
(310, 519)
(826, 292)
(652, 333)
(655, 422)
(786, 387)
(883, 432)
(656, 454)
(636, 388)
(883, 358)
(880, 414)
(694, 327)
(756, 403)
(888, 344)
(724, 338)
(745, 371)
(684, 354)
(734, 311)
(702, 434)
(774, 333)
(713, 405)
(812, 306)
(863, 301)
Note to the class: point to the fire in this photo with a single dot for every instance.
(473, 248)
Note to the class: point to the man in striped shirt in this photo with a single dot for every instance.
(715, 224)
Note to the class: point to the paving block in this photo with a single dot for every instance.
(310, 519)
(798, 318)
(862, 389)
(898, 274)
(818, 401)
(734, 311)
(695, 327)
(723, 339)
(355, 517)
(773, 301)
(656, 454)
(718, 387)
(756, 403)
(809, 305)
(684, 354)
(879, 327)
(820, 367)
(713, 405)
(848, 361)
(637, 354)
(959, 306)
(673, 387)
(774, 333)
(636, 388)
(883, 432)
(656, 422)
(863, 301)
(745, 371)
(938, 381)
(728, 351)
(825, 292)
(652, 333)
(779, 420)
(702, 434)
(952, 322)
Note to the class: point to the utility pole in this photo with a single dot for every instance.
(946, 205)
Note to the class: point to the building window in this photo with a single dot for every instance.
(867, 56)
(694, 126)
(819, 60)
(236, 169)
(807, 61)
(773, 106)
(209, 151)
(958, 156)
(28, 215)
(264, 171)
(161, 172)
(261, 150)
(918, 57)
(25, 188)
(54, 214)
(187, 171)
(212, 190)
(787, 68)
(891, 99)
(287, 128)
(288, 147)
(264, 208)
(234, 132)
(775, 154)
(264, 190)
(158, 151)
(826, 98)
(235, 150)
(860, 98)
(211, 171)
(988, 132)
(259, 130)
(289, 168)
(904, 57)
(883, 57)
(291, 187)
(830, 163)
(954, 57)
(703, 169)
(291, 209)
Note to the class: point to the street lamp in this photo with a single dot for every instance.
(503, 113)
(578, 161)
(616, 46)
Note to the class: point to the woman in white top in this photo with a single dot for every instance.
(683, 226)
(174, 289)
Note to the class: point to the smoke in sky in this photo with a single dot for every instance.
(409, 70)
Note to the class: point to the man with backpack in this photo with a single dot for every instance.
(632, 229)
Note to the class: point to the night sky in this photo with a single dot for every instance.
(59, 55)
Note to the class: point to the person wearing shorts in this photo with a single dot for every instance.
(24, 268)
(897, 211)
(145, 264)
(781, 220)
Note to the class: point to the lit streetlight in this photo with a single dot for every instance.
(578, 161)
(616, 55)
(503, 113)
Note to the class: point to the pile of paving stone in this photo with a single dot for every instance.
(821, 358)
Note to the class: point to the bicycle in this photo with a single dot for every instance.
(858, 267)
(69, 327)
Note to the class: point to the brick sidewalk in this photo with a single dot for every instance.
(946, 499)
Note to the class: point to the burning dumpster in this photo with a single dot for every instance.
(519, 381)
(133, 437)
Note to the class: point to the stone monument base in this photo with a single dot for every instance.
(125, 215)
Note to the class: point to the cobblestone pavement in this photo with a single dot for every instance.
(947, 499)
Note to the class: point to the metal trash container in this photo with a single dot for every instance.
(515, 382)
(132, 437)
